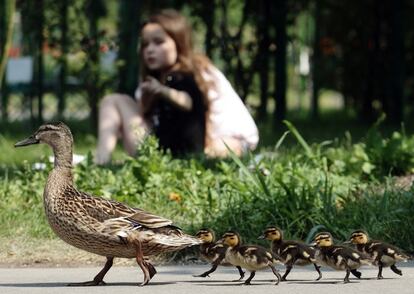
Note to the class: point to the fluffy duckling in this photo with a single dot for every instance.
(213, 252)
(338, 257)
(97, 225)
(250, 257)
(382, 254)
(290, 252)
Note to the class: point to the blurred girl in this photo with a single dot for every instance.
(183, 99)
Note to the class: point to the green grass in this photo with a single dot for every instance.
(298, 184)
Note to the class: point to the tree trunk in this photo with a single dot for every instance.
(129, 12)
(375, 71)
(396, 99)
(63, 57)
(208, 17)
(224, 38)
(264, 41)
(280, 60)
(6, 31)
(39, 68)
(316, 56)
(93, 65)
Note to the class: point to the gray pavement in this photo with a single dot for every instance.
(179, 279)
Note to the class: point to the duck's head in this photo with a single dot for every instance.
(205, 234)
(53, 134)
(272, 234)
(231, 239)
(359, 237)
(58, 136)
(323, 239)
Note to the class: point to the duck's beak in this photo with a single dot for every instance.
(347, 242)
(261, 237)
(28, 141)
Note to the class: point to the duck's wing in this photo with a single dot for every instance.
(149, 219)
(353, 254)
(103, 209)
(390, 250)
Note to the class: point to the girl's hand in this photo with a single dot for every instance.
(151, 88)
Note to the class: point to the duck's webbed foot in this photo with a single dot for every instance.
(207, 273)
(203, 275)
(346, 279)
(252, 274)
(276, 273)
(98, 280)
(318, 269)
(396, 270)
(356, 273)
(151, 269)
(241, 273)
(88, 283)
(288, 269)
(379, 276)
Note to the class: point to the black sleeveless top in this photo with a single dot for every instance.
(180, 131)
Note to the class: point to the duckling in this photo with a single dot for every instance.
(104, 227)
(339, 257)
(213, 252)
(290, 252)
(250, 257)
(382, 254)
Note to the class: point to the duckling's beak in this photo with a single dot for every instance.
(347, 242)
(28, 141)
(261, 237)
(313, 244)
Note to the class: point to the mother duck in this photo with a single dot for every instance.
(97, 225)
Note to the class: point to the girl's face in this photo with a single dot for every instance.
(159, 50)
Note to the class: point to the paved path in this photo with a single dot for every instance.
(179, 279)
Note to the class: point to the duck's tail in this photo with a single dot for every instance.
(173, 242)
(403, 257)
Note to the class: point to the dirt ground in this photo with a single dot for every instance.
(21, 252)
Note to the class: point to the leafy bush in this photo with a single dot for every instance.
(335, 186)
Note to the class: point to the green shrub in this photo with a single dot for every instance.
(334, 186)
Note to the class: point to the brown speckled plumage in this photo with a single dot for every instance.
(97, 225)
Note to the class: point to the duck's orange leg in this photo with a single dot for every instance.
(148, 271)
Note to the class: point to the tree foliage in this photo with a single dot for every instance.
(361, 49)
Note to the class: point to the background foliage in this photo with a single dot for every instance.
(279, 55)
(301, 188)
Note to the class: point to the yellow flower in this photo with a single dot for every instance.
(174, 197)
